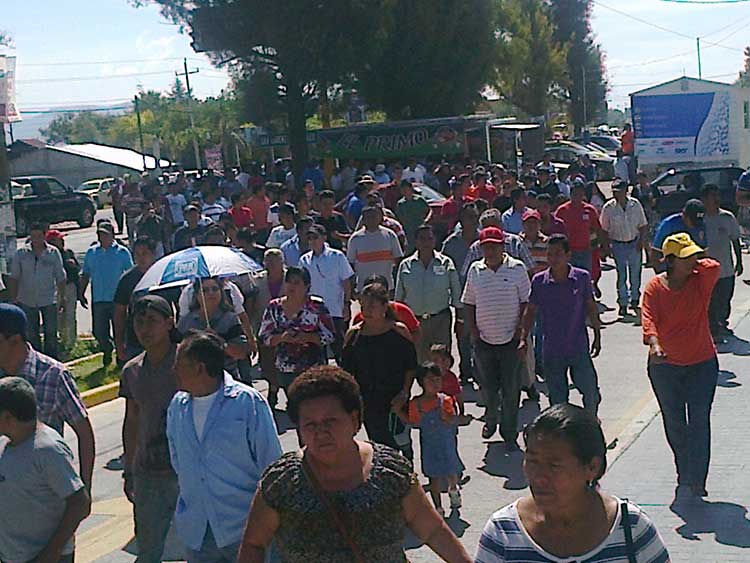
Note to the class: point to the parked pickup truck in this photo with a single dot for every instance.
(46, 199)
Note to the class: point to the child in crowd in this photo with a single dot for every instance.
(441, 356)
(435, 414)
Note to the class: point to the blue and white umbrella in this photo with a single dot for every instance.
(199, 262)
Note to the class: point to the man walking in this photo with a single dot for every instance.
(57, 397)
(412, 211)
(373, 250)
(428, 283)
(222, 437)
(624, 221)
(66, 318)
(456, 247)
(564, 298)
(126, 342)
(331, 278)
(192, 232)
(42, 496)
(148, 383)
(37, 283)
(581, 222)
(495, 297)
(690, 220)
(103, 265)
(723, 236)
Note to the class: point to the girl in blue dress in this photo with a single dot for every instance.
(436, 416)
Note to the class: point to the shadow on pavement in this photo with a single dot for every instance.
(726, 379)
(726, 520)
(499, 461)
(173, 548)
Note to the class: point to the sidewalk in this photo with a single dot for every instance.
(715, 529)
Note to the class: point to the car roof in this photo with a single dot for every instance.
(38, 177)
(695, 170)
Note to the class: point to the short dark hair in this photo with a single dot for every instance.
(18, 398)
(424, 227)
(286, 209)
(37, 226)
(206, 347)
(442, 350)
(236, 197)
(427, 369)
(516, 194)
(560, 240)
(544, 197)
(376, 278)
(306, 220)
(327, 194)
(578, 427)
(301, 273)
(147, 242)
(709, 188)
(324, 381)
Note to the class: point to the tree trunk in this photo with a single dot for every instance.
(325, 106)
(295, 104)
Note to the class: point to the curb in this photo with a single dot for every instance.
(99, 395)
(77, 361)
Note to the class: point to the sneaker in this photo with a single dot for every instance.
(488, 430)
(455, 496)
(623, 311)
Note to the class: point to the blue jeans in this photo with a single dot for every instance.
(584, 377)
(211, 553)
(685, 395)
(582, 259)
(628, 264)
(155, 501)
(33, 332)
(102, 314)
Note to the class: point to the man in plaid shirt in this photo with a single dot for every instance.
(58, 400)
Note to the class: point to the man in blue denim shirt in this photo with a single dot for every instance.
(222, 436)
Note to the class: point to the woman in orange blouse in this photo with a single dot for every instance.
(682, 364)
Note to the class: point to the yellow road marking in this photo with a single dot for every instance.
(111, 535)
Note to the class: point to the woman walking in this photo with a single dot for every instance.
(682, 363)
(567, 517)
(340, 500)
(298, 326)
(380, 355)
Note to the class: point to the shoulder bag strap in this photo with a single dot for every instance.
(333, 511)
(629, 547)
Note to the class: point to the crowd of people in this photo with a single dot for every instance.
(515, 282)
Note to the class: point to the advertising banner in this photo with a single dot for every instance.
(213, 158)
(679, 127)
(392, 142)
(8, 110)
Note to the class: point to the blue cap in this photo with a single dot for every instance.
(12, 320)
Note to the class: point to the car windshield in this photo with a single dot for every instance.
(429, 194)
(609, 143)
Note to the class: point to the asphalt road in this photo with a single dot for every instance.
(495, 475)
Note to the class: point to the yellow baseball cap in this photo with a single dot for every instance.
(680, 245)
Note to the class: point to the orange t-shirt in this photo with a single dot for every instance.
(418, 407)
(628, 143)
(679, 318)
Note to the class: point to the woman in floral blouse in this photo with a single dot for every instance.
(298, 325)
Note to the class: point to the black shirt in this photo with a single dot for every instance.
(333, 224)
(184, 235)
(124, 296)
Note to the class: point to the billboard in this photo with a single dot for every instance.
(677, 127)
(8, 110)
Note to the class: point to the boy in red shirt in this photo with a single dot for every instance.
(441, 356)
(241, 215)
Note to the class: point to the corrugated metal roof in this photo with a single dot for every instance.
(126, 158)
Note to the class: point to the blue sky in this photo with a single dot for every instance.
(106, 32)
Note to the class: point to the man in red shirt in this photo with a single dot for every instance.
(241, 215)
(391, 192)
(482, 189)
(452, 207)
(581, 221)
(628, 140)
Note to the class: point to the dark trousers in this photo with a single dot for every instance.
(102, 314)
(685, 395)
(48, 315)
(340, 326)
(584, 377)
(498, 367)
(466, 354)
(119, 219)
(155, 501)
(721, 304)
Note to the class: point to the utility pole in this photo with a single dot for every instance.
(585, 106)
(700, 66)
(140, 131)
(186, 73)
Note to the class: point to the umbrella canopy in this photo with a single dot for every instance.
(186, 265)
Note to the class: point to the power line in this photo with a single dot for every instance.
(122, 61)
(109, 77)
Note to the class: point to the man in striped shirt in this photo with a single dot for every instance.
(495, 297)
(373, 250)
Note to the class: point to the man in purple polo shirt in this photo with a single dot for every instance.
(563, 296)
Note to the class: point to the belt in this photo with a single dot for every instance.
(625, 241)
(428, 316)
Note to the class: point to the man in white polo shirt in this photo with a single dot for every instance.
(331, 279)
(495, 297)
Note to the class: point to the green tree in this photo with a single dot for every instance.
(530, 64)
(437, 59)
(307, 46)
(585, 84)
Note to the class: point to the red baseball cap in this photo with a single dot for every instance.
(53, 235)
(531, 214)
(493, 235)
